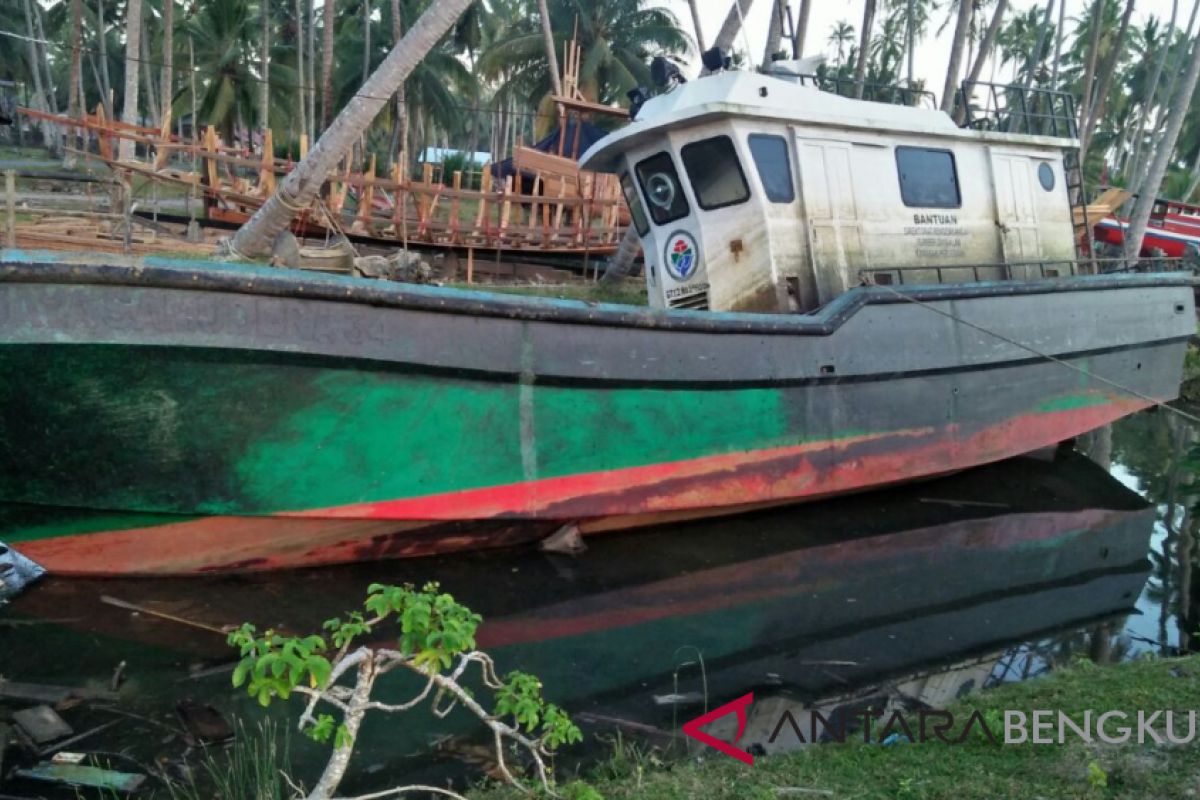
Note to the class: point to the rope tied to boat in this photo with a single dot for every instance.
(290, 206)
(1033, 350)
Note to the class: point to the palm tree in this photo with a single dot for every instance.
(840, 37)
(223, 34)
(617, 39)
(302, 184)
(733, 24)
(301, 99)
(860, 68)
(1116, 52)
(1180, 104)
(696, 25)
(133, 38)
(167, 91)
(329, 22)
(988, 42)
(264, 49)
(551, 54)
(801, 29)
(957, 45)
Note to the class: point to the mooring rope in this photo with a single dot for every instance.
(1121, 387)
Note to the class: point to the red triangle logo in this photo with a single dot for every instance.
(739, 706)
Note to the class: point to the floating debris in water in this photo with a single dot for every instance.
(16, 572)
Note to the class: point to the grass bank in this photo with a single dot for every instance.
(975, 769)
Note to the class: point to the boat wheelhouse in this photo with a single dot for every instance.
(755, 193)
(845, 295)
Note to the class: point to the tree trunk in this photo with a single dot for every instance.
(1106, 77)
(1162, 156)
(264, 88)
(1148, 104)
(75, 99)
(551, 53)
(133, 49)
(1089, 75)
(910, 38)
(311, 81)
(622, 261)
(1058, 43)
(327, 31)
(167, 90)
(102, 35)
(954, 68)
(302, 184)
(44, 59)
(864, 44)
(366, 10)
(152, 106)
(801, 28)
(986, 44)
(696, 25)
(732, 24)
(1035, 57)
(301, 100)
(400, 121)
(774, 32)
(35, 69)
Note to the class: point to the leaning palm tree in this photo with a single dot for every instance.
(551, 54)
(1180, 104)
(301, 185)
(167, 81)
(696, 25)
(961, 28)
(860, 68)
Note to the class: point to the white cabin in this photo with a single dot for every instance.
(758, 193)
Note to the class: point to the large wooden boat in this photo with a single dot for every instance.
(821, 324)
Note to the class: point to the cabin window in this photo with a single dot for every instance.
(660, 182)
(927, 178)
(635, 205)
(770, 155)
(715, 172)
(1046, 176)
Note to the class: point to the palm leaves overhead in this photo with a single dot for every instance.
(617, 39)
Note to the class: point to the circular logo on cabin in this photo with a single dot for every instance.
(682, 256)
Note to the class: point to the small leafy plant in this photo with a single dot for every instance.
(434, 638)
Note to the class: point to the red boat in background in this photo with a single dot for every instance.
(1174, 229)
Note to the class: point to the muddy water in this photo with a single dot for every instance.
(921, 593)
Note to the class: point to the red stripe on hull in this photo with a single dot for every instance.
(635, 496)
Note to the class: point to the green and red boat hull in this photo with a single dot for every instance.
(172, 420)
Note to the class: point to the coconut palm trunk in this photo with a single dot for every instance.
(1058, 43)
(1162, 156)
(551, 53)
(301, 100)
(1150, 100)
(133, 48)
(299, 188)
(987, 43)
(264, 88)
(961, 28)
(864, 45)
(732, 24)
(774, 32)
(801, 29)
(102, 47)
(75, 101)
(327, 30)
(1089, 74)
(400, 119)
(696, 25)
(167, 85)
(39, 92)
(1106, 77)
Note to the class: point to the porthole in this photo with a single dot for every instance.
(1046, 176)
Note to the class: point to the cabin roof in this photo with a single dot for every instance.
(756, 96)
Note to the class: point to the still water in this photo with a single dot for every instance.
(911, 596)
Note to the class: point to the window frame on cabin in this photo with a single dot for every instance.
(763, 174)
(637, 211)
(721, 161)
(906, 189)
(679, 196)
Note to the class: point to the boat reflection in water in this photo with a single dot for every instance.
(909, 593)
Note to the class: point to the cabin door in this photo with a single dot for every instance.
(831, 220)
(1016, 220)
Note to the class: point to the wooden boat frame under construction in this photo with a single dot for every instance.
(567, 212)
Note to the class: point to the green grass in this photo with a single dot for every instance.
(976, 770)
